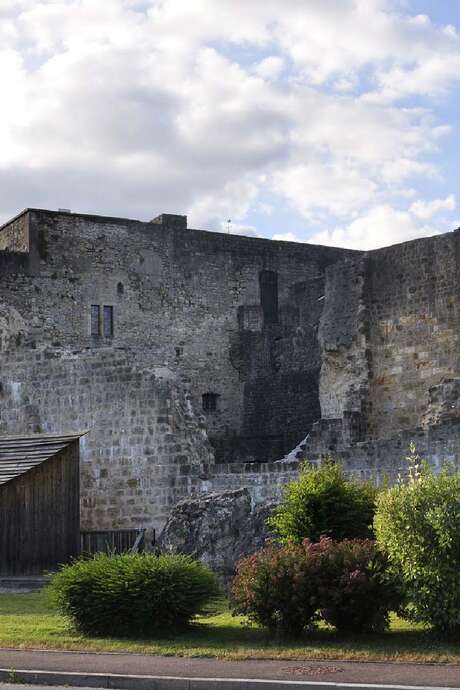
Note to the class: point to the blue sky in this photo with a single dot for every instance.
(328, 121)
(448, 109)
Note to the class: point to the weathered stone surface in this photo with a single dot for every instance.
(443, 403)
(12, 328)
(194, 313)
(343, 337)
(357, 352)
(218, 529)
(146, 447)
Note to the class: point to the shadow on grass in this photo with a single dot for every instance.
(23, 604)
(28, 620)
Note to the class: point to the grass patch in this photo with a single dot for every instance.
(27, 621)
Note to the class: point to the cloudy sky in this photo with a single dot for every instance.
(328, 121)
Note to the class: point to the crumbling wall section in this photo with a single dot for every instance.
(414, 329)
(343, 338)
(390, 369)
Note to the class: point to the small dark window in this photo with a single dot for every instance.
(95, 320)
(108, 321)
(268, 282)
(209, 402)
(179, 352)
(120, 288)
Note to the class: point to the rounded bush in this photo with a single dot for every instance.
(323, 502)
(276, 588)
(418, 525)
(356, 590)
(125, 594)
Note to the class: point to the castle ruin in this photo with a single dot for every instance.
(199, 360)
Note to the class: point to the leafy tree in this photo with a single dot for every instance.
(417, 523)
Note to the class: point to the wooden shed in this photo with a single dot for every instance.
(39, 502)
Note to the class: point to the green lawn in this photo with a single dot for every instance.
(28, 622)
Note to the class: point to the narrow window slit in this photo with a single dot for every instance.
(209, 402)
(95, 320)
(108, 321)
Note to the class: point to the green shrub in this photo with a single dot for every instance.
(418, 524)
(126, 594)
(356, 590)
(276, 588)
(322, 502)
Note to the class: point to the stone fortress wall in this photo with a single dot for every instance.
(389, 338)
(194, 314)
(223, 353)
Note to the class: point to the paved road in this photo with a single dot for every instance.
(20, 686)
(434, 675)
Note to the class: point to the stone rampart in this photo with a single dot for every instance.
(197, 359)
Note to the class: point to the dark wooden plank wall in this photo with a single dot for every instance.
(111, 541)
(40, 516)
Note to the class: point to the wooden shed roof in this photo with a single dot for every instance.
(18, 454)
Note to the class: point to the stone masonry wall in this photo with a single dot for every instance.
(225, 353)
(194, 300)
(394, 373)
(264, 481)
(144, 450)
(414, 329)
(343, 336)
(194, 313)
(14, 237)
(382, 460)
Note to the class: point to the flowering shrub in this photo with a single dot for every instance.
(417, 523)
(284, 588)
(356, 590)
(277, 588)
(323, 502)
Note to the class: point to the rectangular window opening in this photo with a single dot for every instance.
(108, 321)
(209, 401)
(268, 281)
(95, 320)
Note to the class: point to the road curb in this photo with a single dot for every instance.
(133, 682)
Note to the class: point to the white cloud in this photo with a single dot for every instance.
(397, 170)
(212, 212)
(381, 226)
(432, 77)
(314, 188)
(287, 237)
(425, 210)
(270, 67)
